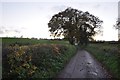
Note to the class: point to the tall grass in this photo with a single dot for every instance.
(107, 54)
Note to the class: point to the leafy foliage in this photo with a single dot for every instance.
(76, 26)
(50, 59)
(35, 61)
(20, 63)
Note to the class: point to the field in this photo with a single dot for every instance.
(31, 58)
(108, 54)
(27, 41)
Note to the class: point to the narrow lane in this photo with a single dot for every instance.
(83, 65)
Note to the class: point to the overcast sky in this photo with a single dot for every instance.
(30, 17)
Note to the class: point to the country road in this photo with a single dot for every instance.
(83, 65)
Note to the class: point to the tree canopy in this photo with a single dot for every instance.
(75, 25)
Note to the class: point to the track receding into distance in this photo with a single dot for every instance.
(83, 65)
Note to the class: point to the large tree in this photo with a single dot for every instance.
(75, 25)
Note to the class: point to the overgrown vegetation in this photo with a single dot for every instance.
(35, 61)
(19, 63)
(107, 54)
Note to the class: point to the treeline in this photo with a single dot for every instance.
(30, 38)
(58, 39)
(109, 42)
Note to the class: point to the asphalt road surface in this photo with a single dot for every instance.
(83, 65)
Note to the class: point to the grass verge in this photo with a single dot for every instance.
(108, 55)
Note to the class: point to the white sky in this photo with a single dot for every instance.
(30, 17)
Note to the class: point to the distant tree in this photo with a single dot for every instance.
(21, 36)
(117, 26)
(75, 25)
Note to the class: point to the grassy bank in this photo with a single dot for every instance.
(107, 54)
(42, 60)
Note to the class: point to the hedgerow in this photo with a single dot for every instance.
(35, 61)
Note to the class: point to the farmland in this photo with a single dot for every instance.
(27, 41)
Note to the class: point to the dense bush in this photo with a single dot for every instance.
(50, 59)
(18, 63)
(35, 61)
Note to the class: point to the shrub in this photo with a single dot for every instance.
(35, 61)
(19, 63)
(50, 59)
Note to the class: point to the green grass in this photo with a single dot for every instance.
(26, 41)
(108, 55)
